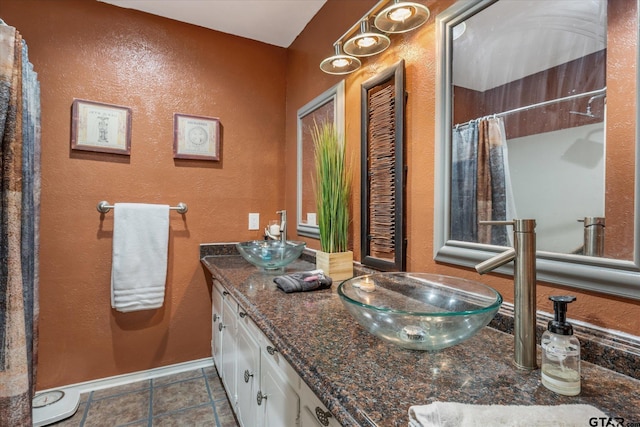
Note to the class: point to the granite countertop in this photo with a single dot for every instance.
(360, 377)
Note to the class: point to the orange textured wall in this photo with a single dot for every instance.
(418, 49)
(91, 50)
(95, 51)
(622, 48)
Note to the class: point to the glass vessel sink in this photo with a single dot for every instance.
(270, 254)
(419, 311)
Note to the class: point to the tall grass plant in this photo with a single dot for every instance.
(332, 187)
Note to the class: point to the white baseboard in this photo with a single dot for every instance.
(123, 379)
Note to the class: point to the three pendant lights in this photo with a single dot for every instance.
(399, 17)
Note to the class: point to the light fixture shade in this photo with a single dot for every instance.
(366, 43)
(340, 63)
(459, 30)
(401, 16)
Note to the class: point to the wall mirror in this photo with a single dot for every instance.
(327, 106)
(537, 118)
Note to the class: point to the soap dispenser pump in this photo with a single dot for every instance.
(561, 351)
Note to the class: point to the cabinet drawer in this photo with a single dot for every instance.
(271, 352)
(312, 412)
(216, 321)
(249, 324)
(218, 285)
(248, 373)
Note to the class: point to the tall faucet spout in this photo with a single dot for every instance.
(523, 254)
(497, 261)
(283, 225)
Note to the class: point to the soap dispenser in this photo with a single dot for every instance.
(561, 351)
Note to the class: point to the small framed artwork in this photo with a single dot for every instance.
(196, 137)
(100, 127)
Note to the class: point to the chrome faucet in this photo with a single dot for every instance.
(593, 235)
(283, 228)
(523, 254)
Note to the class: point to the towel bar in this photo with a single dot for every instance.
(104, 207)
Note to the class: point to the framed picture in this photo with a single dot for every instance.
(196, 137)
(100, 127)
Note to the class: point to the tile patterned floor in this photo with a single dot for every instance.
(192, 398)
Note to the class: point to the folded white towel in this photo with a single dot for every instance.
(451, 414)
(139, 264)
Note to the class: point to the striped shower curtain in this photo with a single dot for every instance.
(19, 222)
(480, 182)
(464, 178)
(492, 183)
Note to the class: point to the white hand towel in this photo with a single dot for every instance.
(452, 414)
(139, 264)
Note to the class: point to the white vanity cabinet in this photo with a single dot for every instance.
(312, 412)
(278, 400)
(248, 370)
(229, 346)
(265, 391)
(216, 320)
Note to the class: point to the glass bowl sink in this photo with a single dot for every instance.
(419, 311)
(270, 254)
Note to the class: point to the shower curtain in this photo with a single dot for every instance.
(19, 222)
(480, 183)
(464, 175)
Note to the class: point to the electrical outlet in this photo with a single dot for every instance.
(254, 221)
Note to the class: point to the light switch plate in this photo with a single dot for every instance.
(254, 221)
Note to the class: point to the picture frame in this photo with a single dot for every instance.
(100, 127)
(196, 137)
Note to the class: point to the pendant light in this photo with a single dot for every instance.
(459, 30)
(340, 63)
(389, 16)
(401, 16)
(366, 43)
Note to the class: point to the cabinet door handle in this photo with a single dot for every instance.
(271, 350)
(260, 397)
(220, 326)
(215, 317)
(322, 416)
(247, 375)
(243, 314)
(225, 293)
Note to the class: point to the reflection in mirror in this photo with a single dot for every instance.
(328, 106)
(530, 130)
(538, 116)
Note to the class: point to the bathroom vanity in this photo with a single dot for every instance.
(260, 383)
(318, 367)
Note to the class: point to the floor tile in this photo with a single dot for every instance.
(210, 370)
(121, 389)
(216, 387)
(199, 416)
(118, 410)
(179, 396)
(143, 423)
(168, 379)
(226, 416)
(178, 400)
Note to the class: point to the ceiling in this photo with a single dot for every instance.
(495, 48)
(276, 22)
(512, 39)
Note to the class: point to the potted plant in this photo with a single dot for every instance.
(332, 186)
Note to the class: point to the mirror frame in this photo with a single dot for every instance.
(335, 94)
(602, 275)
